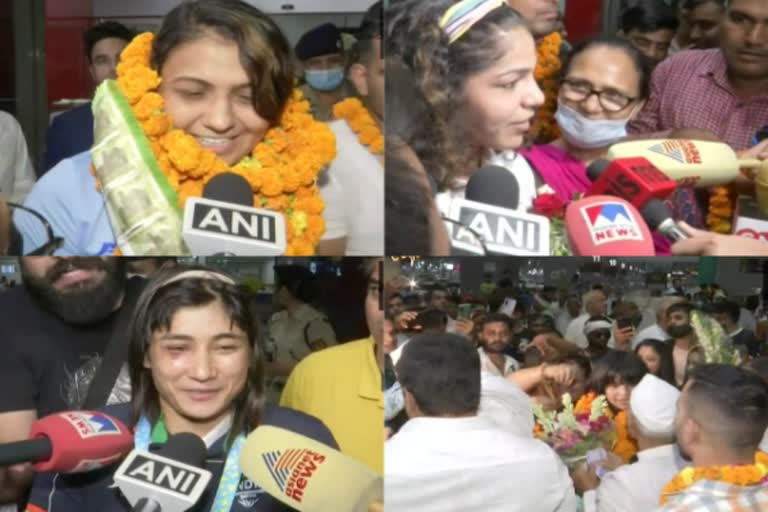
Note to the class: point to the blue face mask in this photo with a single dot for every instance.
(589, 133)
(324, 79)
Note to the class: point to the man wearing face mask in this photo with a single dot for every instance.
(321, 53)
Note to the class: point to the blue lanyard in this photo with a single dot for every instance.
(230, 477)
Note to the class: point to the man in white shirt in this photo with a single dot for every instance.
(636, 487)
(447, 458)
(494, 336)
(355, 178)
(568, 313)
(16, 173)
(595, 304)
(658, 331)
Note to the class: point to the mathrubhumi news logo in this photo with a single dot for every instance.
(293, 469)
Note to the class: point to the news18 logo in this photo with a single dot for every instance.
(292, 470)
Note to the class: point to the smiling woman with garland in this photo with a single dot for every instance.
(211, 92)
(196, 366)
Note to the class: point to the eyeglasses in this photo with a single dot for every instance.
(600, 334)
(580, 90)
(37, 221)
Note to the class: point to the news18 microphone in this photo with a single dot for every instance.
(170, 480)
(224, 221)
(607, 226)
(307, 475)
(71, 442)
(690, 163)
(490, 211)
(635, 179)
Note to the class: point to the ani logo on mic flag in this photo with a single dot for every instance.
(610, 222)
(91, 424)
(292, 470)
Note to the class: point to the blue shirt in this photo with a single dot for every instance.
(67, 197)
(70, 133)
(57, 492)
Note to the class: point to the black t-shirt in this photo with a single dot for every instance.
(40, 355)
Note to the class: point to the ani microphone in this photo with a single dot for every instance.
(224, 221)
(607, 226)
(71, 442)
(170, 480)
(307, 475)
(490, 212)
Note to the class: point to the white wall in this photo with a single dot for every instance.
(158, 8)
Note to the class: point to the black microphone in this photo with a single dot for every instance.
(230, 188)
(494, 185)
(225, 222)
(659, 218)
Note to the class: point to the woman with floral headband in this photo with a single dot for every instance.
(196, 366)
(473, 61)
(211, 92)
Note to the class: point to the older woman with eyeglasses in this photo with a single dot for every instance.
(605, 83)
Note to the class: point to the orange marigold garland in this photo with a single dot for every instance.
(745, 475)
(547, 73)
(361, 122)
(282, 169)
(721, 208)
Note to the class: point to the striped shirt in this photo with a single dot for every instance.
(712, 496)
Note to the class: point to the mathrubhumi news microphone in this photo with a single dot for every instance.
(224, 221)
(71, 442)
(169, 480)
(307, 475)
(607, 226)
(490, 211)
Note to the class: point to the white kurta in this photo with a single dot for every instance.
(469, 464)
(637, 487)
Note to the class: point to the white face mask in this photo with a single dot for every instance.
(589, 133)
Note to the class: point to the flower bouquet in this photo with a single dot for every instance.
(548, 204)
(573, 435)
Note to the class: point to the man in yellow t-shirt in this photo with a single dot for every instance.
(342, 385)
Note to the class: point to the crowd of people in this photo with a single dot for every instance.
(479, 386)
(182, 348)
(497, 83)
(229, 112)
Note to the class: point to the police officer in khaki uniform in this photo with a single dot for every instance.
(321, 52)
(298, 329)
